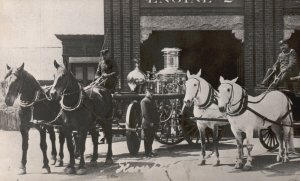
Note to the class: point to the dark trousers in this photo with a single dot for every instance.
(148, 139)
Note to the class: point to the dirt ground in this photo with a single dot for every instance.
(179, 162)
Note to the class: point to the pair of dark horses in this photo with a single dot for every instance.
(80, 110)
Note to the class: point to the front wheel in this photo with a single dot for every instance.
(133, 127)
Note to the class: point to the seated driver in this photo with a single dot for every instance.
(107, 72)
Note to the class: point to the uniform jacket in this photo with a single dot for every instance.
(110, 68)
(149, 113)
(287, 61)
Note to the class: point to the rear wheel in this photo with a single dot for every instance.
(133, 127)
(268, 139)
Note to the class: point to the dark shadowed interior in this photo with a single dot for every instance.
(215, 52)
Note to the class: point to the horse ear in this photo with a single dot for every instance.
(56, 65)
(21, 67)
(234, 80)
(8, 67)
(199, 73)
(222, 79)
(66, 64)
(188, 74)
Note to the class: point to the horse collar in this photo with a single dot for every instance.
(243, 103)
(210, 99)
(79, 103)
(30, 103)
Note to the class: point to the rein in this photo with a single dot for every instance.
(244, 106)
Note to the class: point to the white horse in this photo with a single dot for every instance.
(201, 93)
(246, 113)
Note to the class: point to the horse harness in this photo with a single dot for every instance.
(244, 106)
(80, 103)
(211, 98)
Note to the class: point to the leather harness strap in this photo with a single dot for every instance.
(271, 121)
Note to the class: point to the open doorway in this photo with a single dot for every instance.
(215, 52)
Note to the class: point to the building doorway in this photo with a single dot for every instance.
(215, 52)
(294, 43)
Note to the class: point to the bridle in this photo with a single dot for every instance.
(23, 103)
(243, 101)
(210, 98)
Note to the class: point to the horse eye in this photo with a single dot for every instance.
(228, 90)
(195, 85)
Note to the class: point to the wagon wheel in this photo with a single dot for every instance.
(190, 129)
(268, 139)
(133, 127)
(169, 131)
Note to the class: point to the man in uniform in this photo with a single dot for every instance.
(149, 122)
(107, 71)
(285, 67)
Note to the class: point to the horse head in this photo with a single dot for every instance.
(226, 93)
(198, 91)
(62, 77)
(14, 83)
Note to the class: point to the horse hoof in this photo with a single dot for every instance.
(93, 164)
(108, 161)
(46, 170)
(81, 171)
(247, 167)
(217, 163)
(69, 170)
(279, 159)
(285, 160)
(60, 163)
(53, 162)
(238, 165)
(22, 171)
(202, 162)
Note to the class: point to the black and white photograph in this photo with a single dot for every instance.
(163, 90)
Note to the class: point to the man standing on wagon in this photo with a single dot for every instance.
(150, 120)
(285, 67)
(107, 71)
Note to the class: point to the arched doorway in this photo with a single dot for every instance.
(216, 52)
(294, 43)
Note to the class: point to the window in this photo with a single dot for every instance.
(84, 72)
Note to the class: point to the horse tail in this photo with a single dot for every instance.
(291, 147)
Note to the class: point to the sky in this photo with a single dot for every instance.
(28, 28)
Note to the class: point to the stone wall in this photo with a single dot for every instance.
(8, 115)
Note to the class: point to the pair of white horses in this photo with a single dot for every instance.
(244, 113)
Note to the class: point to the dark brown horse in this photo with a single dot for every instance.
(81, 110)
(34, 105)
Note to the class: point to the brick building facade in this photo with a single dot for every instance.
(252, 27)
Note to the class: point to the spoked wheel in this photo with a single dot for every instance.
(190, 132)
(133, 128)
(75, 141)
(169, 131)
(268, 139)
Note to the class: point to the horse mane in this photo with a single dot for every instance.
(31, 78)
